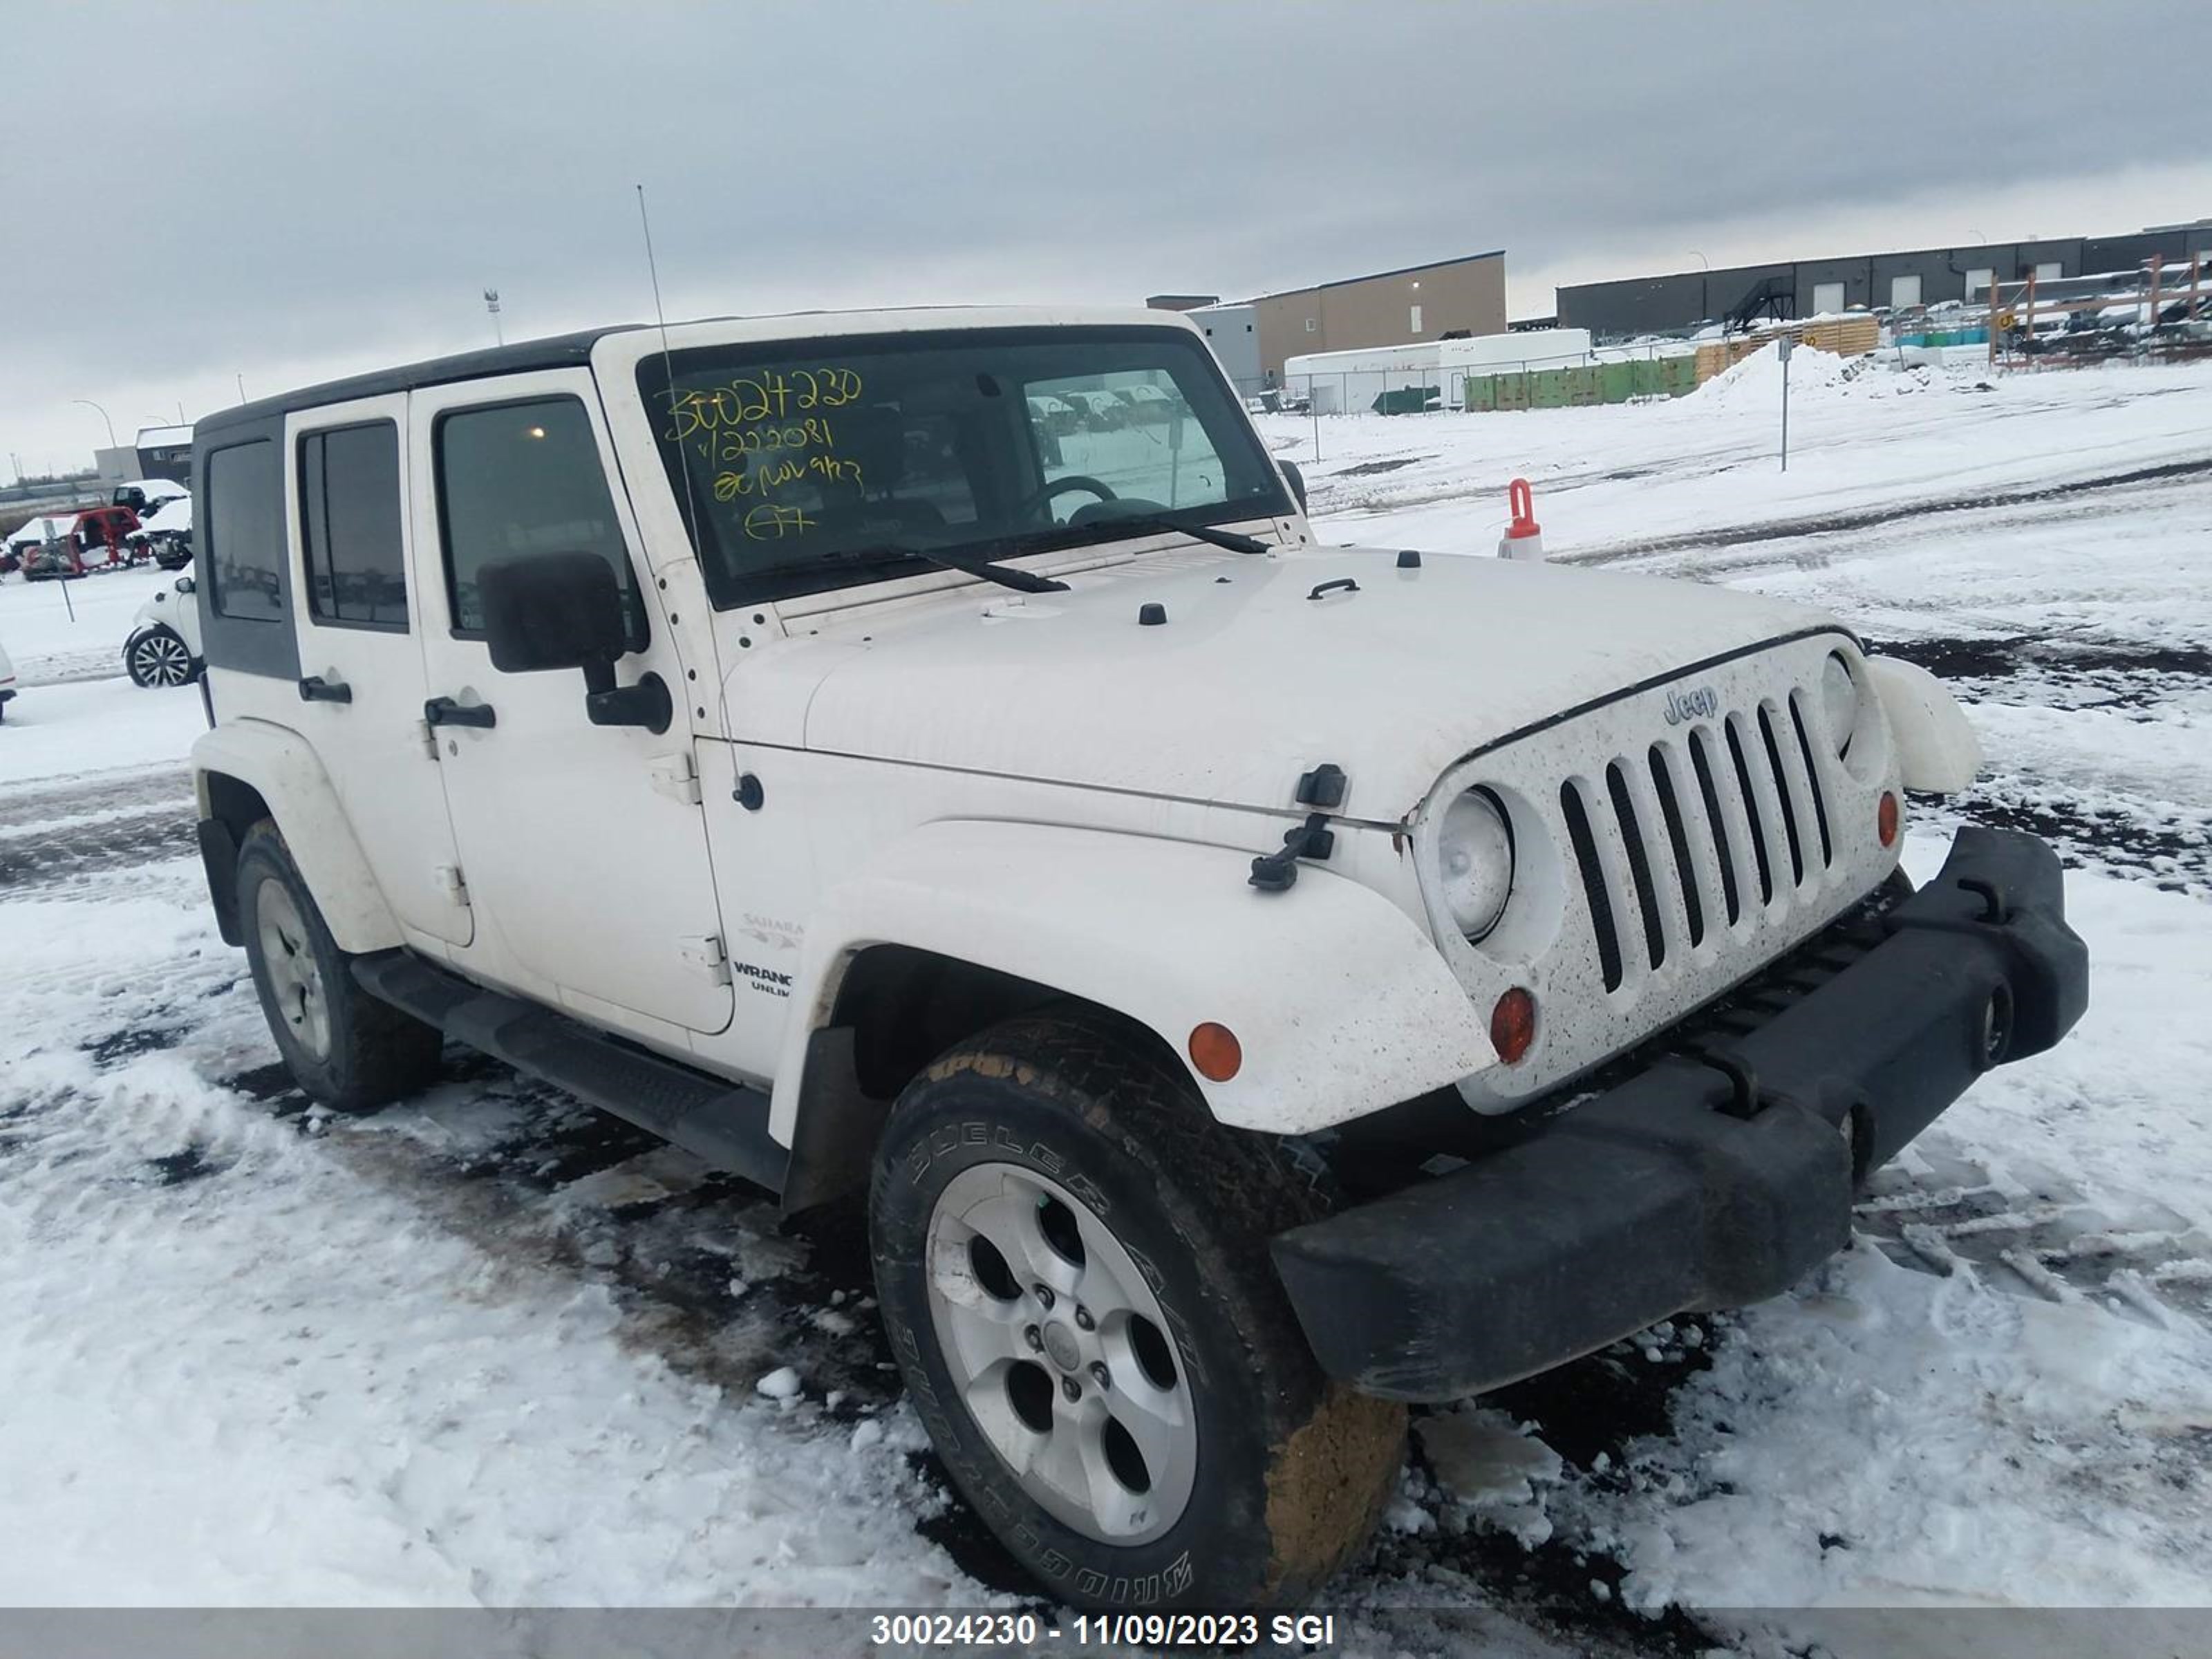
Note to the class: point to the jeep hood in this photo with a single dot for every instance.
(1256, 675)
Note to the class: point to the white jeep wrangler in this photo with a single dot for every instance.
(1257, 983)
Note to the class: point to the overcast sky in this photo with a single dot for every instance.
(280, 193)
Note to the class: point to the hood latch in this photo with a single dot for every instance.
(1273, 872)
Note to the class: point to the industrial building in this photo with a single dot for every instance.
(1233, 331)
(1443, 299)
(1874, 282)
(166, 452)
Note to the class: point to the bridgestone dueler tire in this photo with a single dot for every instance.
(377, 1053)
(1293, 1470)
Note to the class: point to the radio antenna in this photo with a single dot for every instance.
(668, 368)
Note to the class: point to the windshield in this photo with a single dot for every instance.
(808, 465)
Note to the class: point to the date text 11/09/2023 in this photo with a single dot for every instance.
(1309, 1630)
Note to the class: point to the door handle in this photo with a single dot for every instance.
(316, 689)
(444, 711)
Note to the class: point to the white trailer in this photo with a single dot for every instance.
(1341, 381)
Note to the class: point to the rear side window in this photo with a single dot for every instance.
(524, 478)
(349, 537)
(242, 535)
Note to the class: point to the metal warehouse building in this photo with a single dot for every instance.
(1808, 288)
(1462, 296)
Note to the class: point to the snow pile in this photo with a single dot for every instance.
(1818, 376)
(1757, 379)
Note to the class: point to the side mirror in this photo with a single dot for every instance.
(184, 585)
(565, 610)
(1297, 482)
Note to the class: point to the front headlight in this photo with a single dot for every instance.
(1474, 849)
(1839, 701)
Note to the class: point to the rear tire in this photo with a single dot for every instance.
(342, 1047)
(1154, 1432)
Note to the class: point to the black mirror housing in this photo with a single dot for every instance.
(565, 610)
(551, 610)
(1297, 482)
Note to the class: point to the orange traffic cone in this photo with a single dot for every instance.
(1524, 537)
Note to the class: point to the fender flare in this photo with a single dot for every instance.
(1937, 750)
(1342, 1004)
(282, 767)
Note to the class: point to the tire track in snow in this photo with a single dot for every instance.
(1773, 529)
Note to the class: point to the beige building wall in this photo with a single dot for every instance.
(1397, 307)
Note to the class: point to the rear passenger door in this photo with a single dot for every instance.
(584, 846)
(360, 657)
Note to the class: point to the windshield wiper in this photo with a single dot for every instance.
(1021, 581)
(1147, 522)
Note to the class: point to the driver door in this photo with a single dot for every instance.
(583, 847)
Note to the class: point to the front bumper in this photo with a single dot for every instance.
(1697, 1183)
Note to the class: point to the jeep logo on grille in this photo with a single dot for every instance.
(1702, 704)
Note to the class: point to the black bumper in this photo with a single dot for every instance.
(1698, 1184)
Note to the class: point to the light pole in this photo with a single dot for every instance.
(89, 404)
(491, 305)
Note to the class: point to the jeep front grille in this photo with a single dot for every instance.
(1671, 841)
(1664, 835)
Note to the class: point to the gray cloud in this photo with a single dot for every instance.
(288, 191)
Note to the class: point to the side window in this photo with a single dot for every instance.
(349, 532)
(516, 479)
(242, 538)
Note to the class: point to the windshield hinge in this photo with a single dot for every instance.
(703, 953)
(1325, 785)
(676, 777)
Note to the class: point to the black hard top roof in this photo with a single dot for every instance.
(557, 351)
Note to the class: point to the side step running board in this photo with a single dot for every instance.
(723, 1123)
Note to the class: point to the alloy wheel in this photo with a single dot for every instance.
(296, 981)
(1061, 1351)
(162, 660)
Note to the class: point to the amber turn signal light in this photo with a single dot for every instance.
(1513, 1026)
(1215, 1052)
(1885, 819)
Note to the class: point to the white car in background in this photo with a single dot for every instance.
(163, 648)
(7, 681)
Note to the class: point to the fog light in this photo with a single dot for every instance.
(1215, 1052)
(1513, 1026)
(1885, 819)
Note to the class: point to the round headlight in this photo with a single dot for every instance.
(1474, 849)
(1839, 701)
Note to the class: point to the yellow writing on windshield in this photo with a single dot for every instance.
(771, 435)
(774, 395)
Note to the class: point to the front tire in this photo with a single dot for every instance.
(1072, 1260)
(342, 1047)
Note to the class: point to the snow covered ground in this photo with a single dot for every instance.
(488, 1348)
